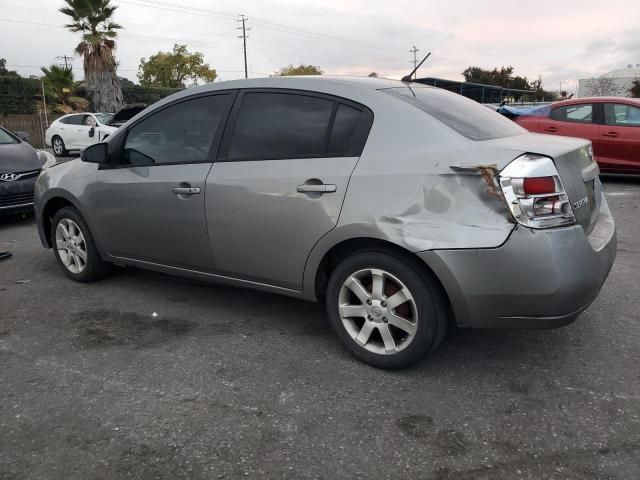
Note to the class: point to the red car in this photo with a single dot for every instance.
(611, 123)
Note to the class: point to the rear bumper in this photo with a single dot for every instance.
(536, 279)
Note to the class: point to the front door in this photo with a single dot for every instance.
(620, 137)
(150, 204)
(280, 182)
(83, 138)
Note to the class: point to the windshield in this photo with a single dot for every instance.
(103, 117)
(467, 117)
(6, 138)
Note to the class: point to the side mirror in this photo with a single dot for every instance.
(92, 131)
(24, 136)
(96, 153)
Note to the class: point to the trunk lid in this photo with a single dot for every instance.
(574, 160)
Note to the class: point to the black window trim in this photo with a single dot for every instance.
(116, 157)
(361, 134)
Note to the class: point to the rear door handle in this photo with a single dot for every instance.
(550, 129)
(185, 190)
(611, 134)
(311, 188)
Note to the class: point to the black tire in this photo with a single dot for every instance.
(95, 267)
(61, 152)
(432, 316)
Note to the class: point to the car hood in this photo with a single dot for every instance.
(18, 157)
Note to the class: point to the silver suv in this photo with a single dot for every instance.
(401, 206)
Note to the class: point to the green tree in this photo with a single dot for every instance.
(58, 83)
(63, 94)
(4, 72)
(92, 18)
(373, 75)
(634, 91)
(172, 69)
(299, 70)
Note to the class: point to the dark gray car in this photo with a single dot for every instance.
(400, 206)
(20, 165)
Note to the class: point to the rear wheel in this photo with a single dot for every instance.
(74, 247)
(58, 146)
(385, 310)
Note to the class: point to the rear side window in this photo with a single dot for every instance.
(467, 117)
(344, 138)
(280, 125)
(621, 115)
(72, 120)
(582, 113)
(180, 133)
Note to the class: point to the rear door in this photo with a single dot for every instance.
(575, 120)
(280, 181)
(149, 205)
(620, 138)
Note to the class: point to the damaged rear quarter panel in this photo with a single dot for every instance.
(434, 198)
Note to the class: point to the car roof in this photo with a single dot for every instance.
(575, 101)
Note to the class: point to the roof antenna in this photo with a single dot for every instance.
(407, 78)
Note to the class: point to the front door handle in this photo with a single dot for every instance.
(312, 188)
(550, 129)
(185, 190)
(611, 134)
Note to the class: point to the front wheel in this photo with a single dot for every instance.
(385, 310)
(74, 247)
(59, 149)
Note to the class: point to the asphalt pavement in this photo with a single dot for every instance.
(148, 376)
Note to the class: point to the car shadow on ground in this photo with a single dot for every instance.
(266, 313)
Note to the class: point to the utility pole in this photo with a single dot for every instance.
(67, 61)
(243, 19)
(414, 50)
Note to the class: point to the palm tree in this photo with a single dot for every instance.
(58, 83)
(93, 19)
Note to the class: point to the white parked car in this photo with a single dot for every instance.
(77, 131)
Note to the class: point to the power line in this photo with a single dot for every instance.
(67, 61)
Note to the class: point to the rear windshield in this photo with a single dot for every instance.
(470, 119)
(6, 138)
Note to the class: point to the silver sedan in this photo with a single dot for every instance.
(402, 207)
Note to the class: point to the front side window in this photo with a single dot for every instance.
(180, 133)
(582, 113)
(621, 115)
(280, 125)
(89, 121)
(467, 117)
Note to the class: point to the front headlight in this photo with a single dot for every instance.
(47, 159)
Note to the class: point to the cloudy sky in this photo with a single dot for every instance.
(562, 41)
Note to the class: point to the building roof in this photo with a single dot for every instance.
(476, 91)
(630, 72)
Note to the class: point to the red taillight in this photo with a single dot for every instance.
(539, 185)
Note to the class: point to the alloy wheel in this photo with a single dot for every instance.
(378, 311)
(71, 246)
(57, 146)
